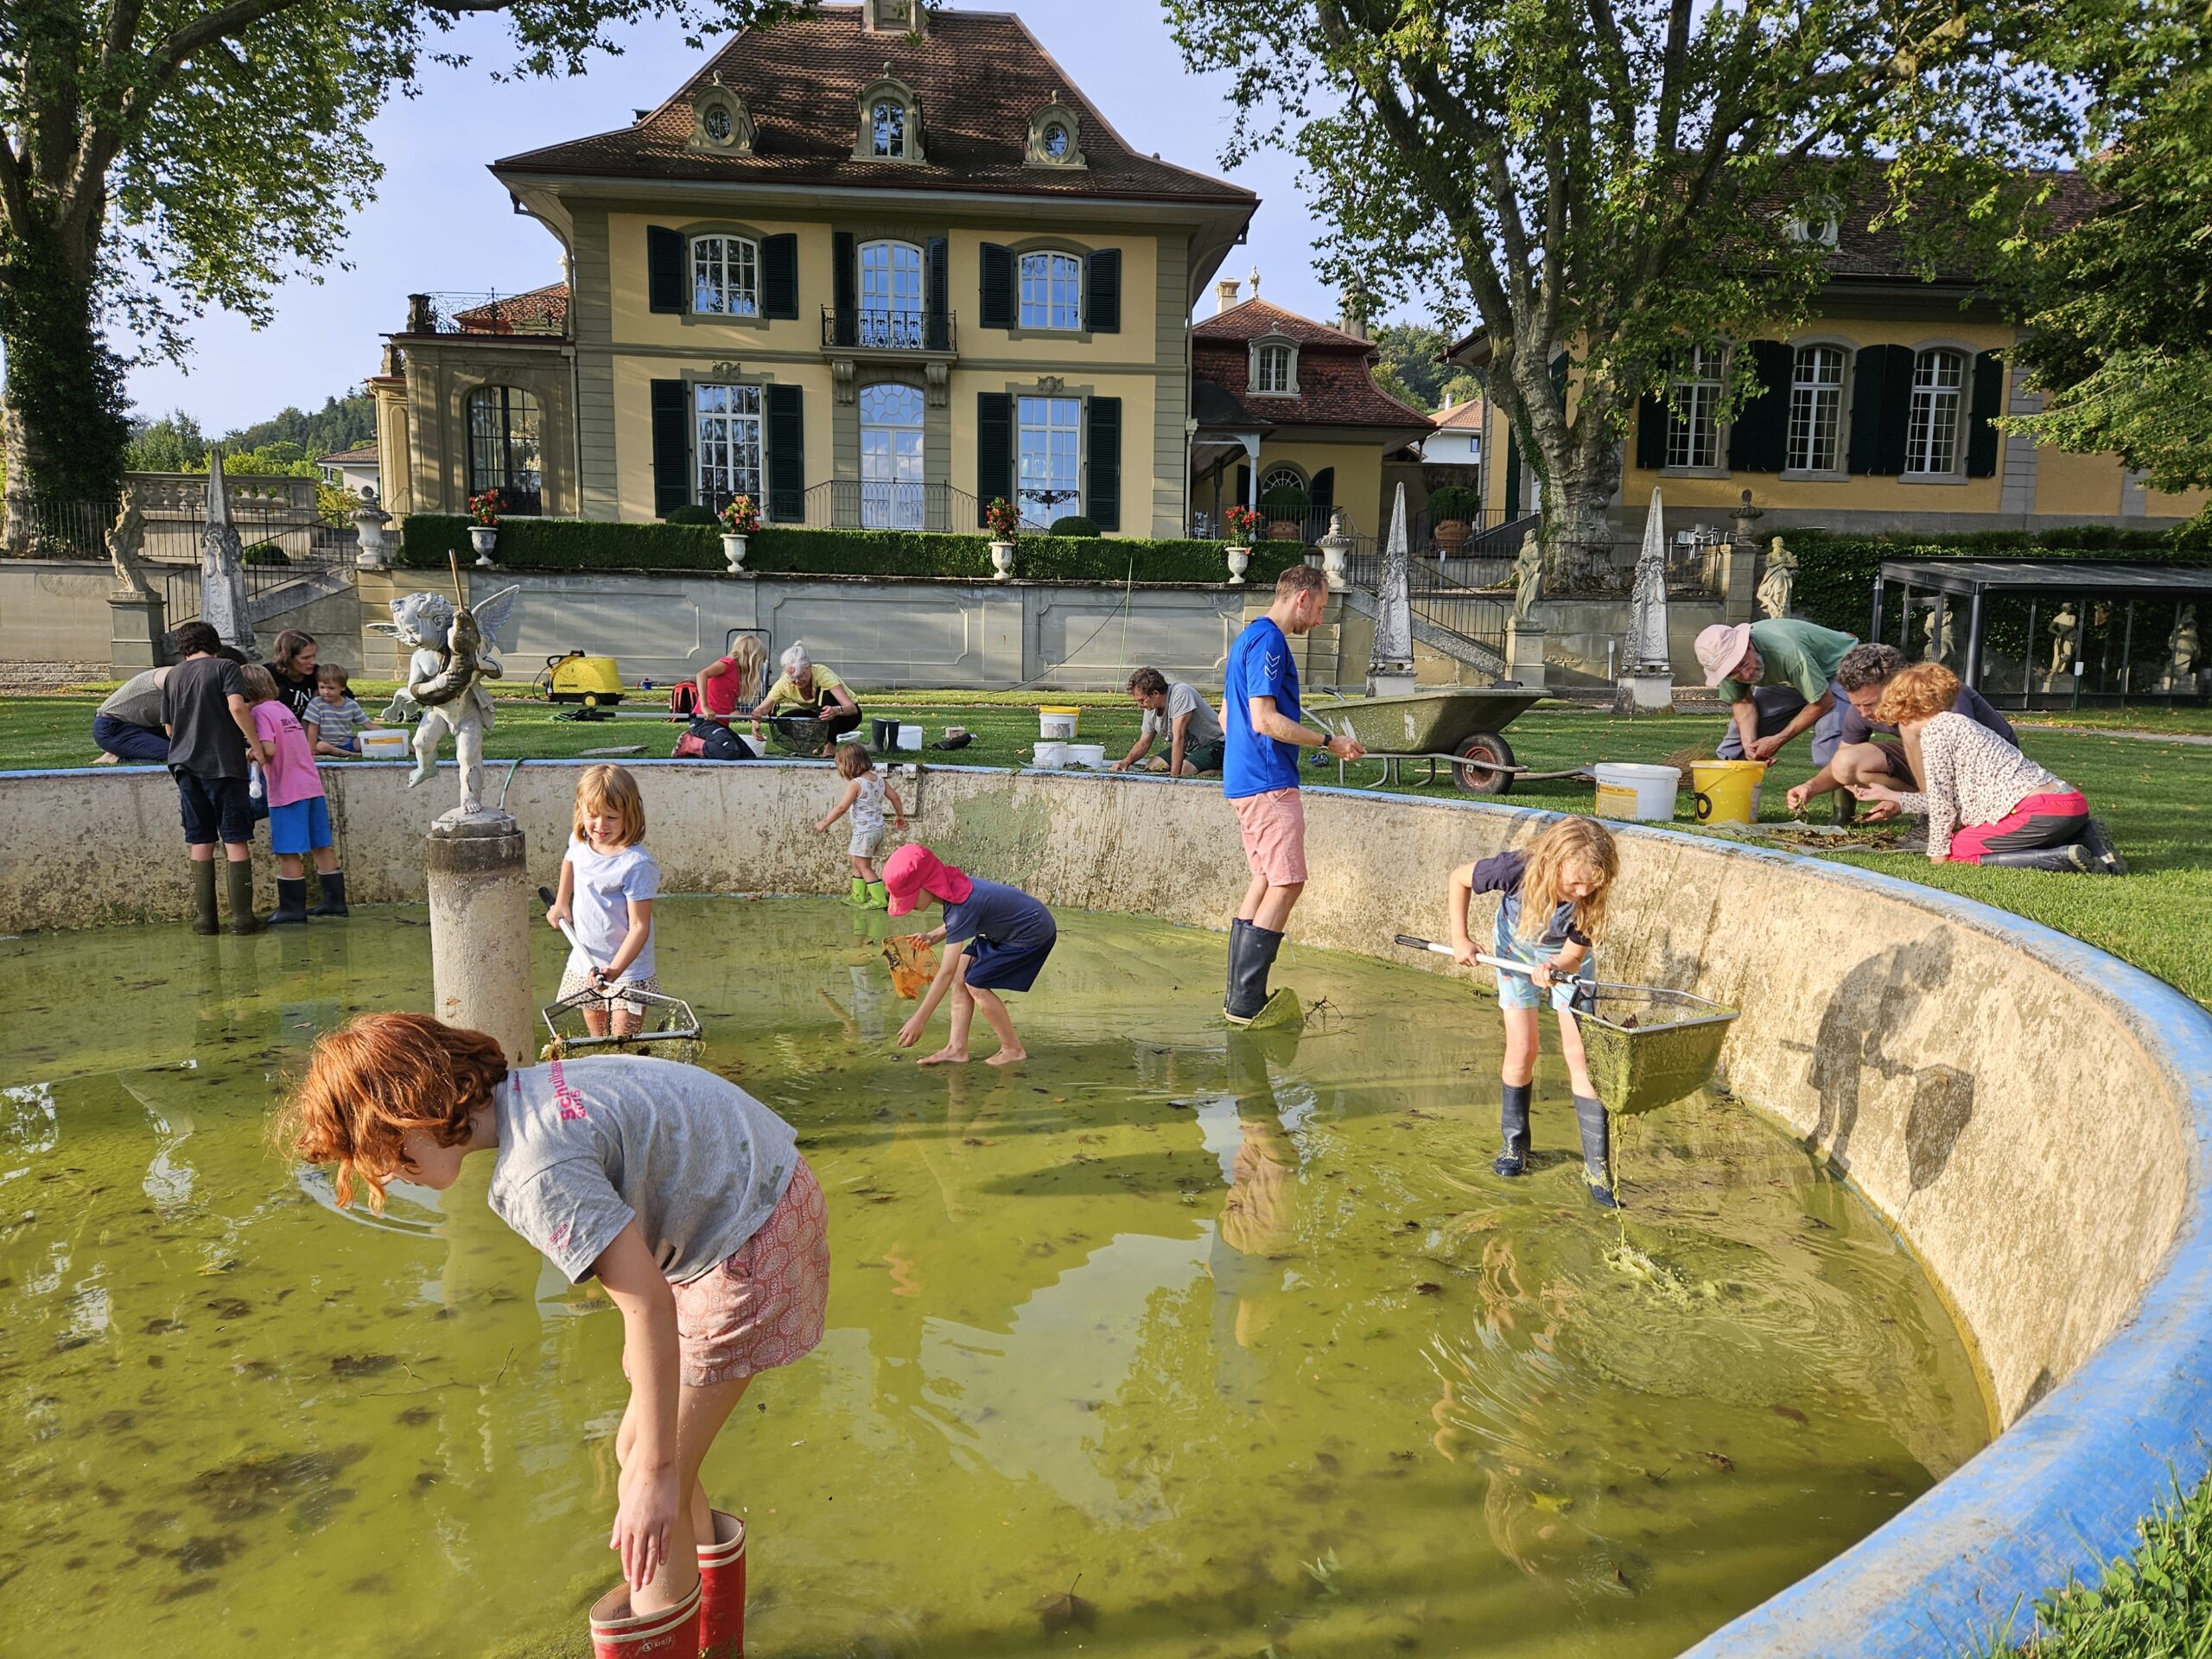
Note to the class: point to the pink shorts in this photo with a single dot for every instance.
(763, 1308)
(1275, 835)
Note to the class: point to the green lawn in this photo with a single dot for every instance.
(2154, 1604)
(2151, 794)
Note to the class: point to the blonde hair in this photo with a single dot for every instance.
(749, 657)
(259, 684)
(854, 761)
(1920, 692)
(610, 789)
(1568, 848)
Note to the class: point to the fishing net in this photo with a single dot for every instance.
(1648, 1047)
(666, 1027)
(913, 965)
(799, 735)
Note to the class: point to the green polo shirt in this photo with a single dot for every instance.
(1801, 655)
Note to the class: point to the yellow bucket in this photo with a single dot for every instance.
(1728, 791)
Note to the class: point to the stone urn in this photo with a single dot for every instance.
(734, 552)
(1240, 560)
(483, 538)
(1284, 530)
(1002, 560)
(1451, 535)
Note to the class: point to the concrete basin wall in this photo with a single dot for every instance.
(2032, 1113)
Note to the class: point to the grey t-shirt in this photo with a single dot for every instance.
(588, 1145)
(137, 700)
(1206, 725)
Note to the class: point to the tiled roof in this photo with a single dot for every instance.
(978, 77)
(541, 308)
(1335, 386)
(1469, 414)
(1256, 317)
(364, 456)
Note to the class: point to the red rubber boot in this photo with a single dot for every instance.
(618, 1633)
(722, 1577)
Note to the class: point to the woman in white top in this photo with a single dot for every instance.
(1986, 802)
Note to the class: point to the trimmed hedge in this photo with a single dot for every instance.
(426, 539)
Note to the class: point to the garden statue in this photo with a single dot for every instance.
(2064, 626)
(124, 537)
(1529, 578)
(452, 657)
(2181, 648)
(1780, 582)
(1937, 647)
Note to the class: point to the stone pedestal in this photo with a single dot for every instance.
(481, 911)
(1739, 583)
(1524, 653)
(137, 626)
(1645, 691)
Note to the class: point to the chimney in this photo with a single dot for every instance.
(1224, 295)
(1351, 313)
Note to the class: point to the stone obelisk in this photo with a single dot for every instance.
(222, 565)
(1390, 664)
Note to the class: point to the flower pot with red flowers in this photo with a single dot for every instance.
(1003, 520)
(484, 525)
(1243, 525)
(739, 518)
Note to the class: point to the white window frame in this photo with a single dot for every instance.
(1274, 350)
(1058, 307)
(1047, 452)
(1815, 405)
(1694, 439)
(1936, 431)
(726, 441)
(889, 146)
(884, 318)
(732, 263)
(896, 501)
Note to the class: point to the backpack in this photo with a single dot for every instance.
(683, 699)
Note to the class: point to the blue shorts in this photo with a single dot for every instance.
(993, 967)
(301, 827)
(1518, 990)
(213, 809)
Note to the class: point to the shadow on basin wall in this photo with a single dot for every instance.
(1871, 1002)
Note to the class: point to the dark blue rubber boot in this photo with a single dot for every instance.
(1513, 1125)
(1597, 1151)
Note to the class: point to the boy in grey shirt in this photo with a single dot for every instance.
(1177, 712)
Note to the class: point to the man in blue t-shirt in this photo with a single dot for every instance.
(1259, 774)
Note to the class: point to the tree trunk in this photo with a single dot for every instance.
(62, 407)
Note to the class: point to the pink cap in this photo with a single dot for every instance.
(1720, 650)
(914, 870)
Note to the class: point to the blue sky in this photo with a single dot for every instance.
(440, 221)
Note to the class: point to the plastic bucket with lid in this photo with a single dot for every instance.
(381, 745)
(1050, 754)
(1728, 791)
(1626, 790)
(910, 737)
(1058, 723)
(1092, 755)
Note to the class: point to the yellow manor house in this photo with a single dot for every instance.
(873, 268)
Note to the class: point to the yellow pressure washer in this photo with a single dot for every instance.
(593, 681)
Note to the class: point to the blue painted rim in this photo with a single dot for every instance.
(2050, 1499)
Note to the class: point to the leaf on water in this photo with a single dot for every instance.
(1429, 1287)
(1066, 1610)
(1719, 1460)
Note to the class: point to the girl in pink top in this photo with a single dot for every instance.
(299, 818)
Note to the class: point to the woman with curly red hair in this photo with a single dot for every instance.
(683, 1196)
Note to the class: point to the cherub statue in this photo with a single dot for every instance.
(1779, 584)
(1939, 646)
(124, 538)
(1528, 577)
(2063, 627)
(452, 658)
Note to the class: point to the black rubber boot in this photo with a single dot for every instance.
(1846, 806)
(238, 879)
(2102, 852)
(291, 901)
(1513, 1126)
(333, 895)
(1597, 1151)
(1237, 928)
(1251, 957)
(2072, 856)
(203, 920)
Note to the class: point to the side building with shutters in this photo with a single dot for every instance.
(1878, 415)
(873, 266)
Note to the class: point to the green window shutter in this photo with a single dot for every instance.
(1881, 407)
(672, 407)
(845, 286)
(1322, 492)
(1981, 436)
(779, 277)
(1243, 487)
(664, 269)
(993, 449)
(786, 458)
(1513, 473)
(1650, 434)
(1103, 499)
(1758, 437)
(937, 259)
(1101, 296)
(995, 305)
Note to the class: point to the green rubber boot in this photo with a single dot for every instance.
(238, 877)
(857, 897)
(878, 896)
(203, 920)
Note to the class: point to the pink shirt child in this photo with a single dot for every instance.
(293, 775)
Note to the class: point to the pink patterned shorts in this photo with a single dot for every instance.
(763, 1308)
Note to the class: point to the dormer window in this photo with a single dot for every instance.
(1274, 368)
(1817, 221)
(721, 121)
(1056, 136)
(891, 124)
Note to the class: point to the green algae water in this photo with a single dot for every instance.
(1163, 1343)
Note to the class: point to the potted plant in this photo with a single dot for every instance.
(1285, 507)
(739, 518)
(1243, 524)
(484, 525)
(1003, 520)
(1452, 512)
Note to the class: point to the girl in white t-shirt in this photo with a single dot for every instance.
(608, 882)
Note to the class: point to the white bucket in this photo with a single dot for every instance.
(1061, 727)
(377, 745)
(1050, 754)
(1628, 790)
(1092, 755)
(910, 737)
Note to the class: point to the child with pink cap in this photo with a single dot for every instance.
(1011, 934)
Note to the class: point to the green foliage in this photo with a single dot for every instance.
(1287, 499)
(1409, 365)
(1835, 574)
(692, 513)
(264, 553)
(590, 544)
(290, 441)
(1454, 501)
(2153, 1604)
(64, 383)
(1073, 525)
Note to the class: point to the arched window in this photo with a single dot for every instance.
(1281, 478)
(891, 295)
(726, 275)
(891, 457)
(1051, 291)
(1931, 444)
(1693, 424)
(1815, 408)
(503, 452)
(1274, 368)
(887, 120)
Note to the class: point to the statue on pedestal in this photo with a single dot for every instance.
(1779, 584)
(124, 537)
(452, 657)
(1937, 646)
(1529, 578)
(2063, 627)
(2181, 652)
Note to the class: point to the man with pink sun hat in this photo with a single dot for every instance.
(1778, 678)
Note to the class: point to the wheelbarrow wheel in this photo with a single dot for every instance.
(1481, 780)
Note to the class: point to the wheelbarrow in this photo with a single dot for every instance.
(1458, 727)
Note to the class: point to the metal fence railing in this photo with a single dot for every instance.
(872, 503)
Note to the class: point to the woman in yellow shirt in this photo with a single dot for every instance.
(813, 690)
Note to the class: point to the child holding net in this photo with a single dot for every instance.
(999, 937)
(1551, 907)
(608, 882)
(683, 1196)
(866, 790)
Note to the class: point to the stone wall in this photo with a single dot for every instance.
(54, 611)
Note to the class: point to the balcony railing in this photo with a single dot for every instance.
(870, 503)
(875, 329)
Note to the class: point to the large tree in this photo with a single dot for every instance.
(1605, 180)
(157, 156)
